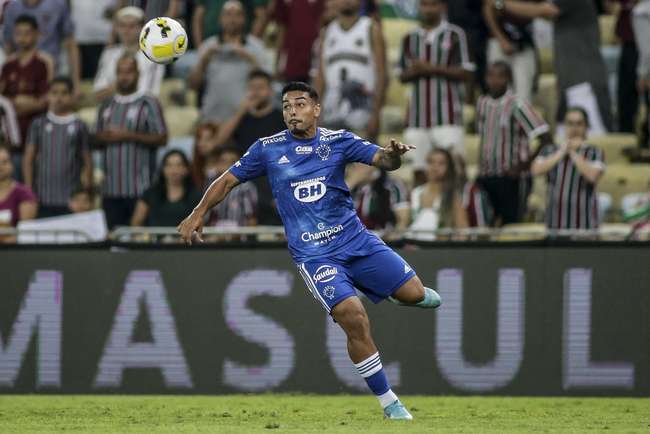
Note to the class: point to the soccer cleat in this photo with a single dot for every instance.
(397, 411)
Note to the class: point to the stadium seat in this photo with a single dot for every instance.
(613, 145)
(172, 86)
(607, 24)
(88, 115)
(621, 179)
(522, 232)
(181, 120)
(472, 142)
(395, 29)
(547, 99)
(87, 98)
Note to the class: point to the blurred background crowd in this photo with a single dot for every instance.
(525, 113)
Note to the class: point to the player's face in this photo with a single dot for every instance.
(232, 18)
(431, 10)
(260, 92)
(300, 112)
(59, 98)
(25, 36)
(6, 167)
(128, 30)
(576, 126)
(127, 76)
(349, 7)
(497, 80)
(80, 202)
(174, 169)
(437, 170)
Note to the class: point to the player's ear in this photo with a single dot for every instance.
(316, 110)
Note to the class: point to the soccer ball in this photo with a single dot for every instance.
(163, 40)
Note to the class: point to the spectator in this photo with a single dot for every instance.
(641, 21)
(206, 21)
(171, 198)
(56, 31)
(298, 26)
(81, 200)
(579, 65)
(352, 71)
(57, 153)
(239, 208)
(628, 96)
(156, 8)
(128, 23)
(256, 116)
(92, 30)
(436, 60)
(204, 146)
(224, 63)
(468, 15)
(24, 79)
(130, 127)
(17, 202)
(506, 125)
(573, 170)
(511, 40)
(475, 200)
(438, 203)
(381, 201)
(9, 127)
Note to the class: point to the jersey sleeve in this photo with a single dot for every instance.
(155, 121)
(358, 150)
(32, 133)
(529, 121)
(251, 165)
(459, 55)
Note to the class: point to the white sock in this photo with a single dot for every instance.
(387, 398)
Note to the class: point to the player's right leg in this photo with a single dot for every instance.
(414, 293)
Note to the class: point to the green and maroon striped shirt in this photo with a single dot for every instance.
(129, 166)
(436, 100)
(572, 201)
(59, 143)
(505, 126)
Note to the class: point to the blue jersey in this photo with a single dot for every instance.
(307, 180)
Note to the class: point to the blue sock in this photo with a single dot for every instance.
(373, 372)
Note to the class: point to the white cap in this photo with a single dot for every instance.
(130, 11)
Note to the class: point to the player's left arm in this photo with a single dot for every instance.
(390, 156)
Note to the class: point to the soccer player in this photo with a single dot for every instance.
(332, 249)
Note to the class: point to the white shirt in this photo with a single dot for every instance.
(90, 24)
(151, 74)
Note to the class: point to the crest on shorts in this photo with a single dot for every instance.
(328, 291)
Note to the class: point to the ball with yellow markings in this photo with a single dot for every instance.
(163, 40)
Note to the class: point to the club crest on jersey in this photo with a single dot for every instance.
(302, 150)
(325, 273)
(323, 151)
(328, 291)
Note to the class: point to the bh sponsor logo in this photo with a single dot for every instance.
(303, 150)
(324, 234)
(309, 190)
(275, 139)
(325, 273)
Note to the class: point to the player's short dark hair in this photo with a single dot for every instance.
(505, 67)
(66, 81)
(260, 73)
(582, 111)
(301, 87)
(27, 19)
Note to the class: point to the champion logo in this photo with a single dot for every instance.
(406, 268)
(283, 160)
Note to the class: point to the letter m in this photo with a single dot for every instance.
(40, 315)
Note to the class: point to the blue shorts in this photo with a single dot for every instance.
(366, 264)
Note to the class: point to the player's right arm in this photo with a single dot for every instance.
(192, 226)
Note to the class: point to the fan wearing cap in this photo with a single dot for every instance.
(128, 23)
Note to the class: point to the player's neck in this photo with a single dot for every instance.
(431, 24)
(26, 54)
(347, 21)
(305, 135)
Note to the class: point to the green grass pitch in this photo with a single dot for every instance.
(269, 413)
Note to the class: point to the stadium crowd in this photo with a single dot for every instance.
(86, 119)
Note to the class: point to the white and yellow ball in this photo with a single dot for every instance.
(163, 40)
